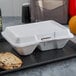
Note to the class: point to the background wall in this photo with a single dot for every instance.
(12, 7)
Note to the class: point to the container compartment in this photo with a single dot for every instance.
(44, 46)
(27, 50)
(53, 44)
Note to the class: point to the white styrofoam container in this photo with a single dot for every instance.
(46, 35)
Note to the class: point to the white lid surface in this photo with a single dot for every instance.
(35, 32)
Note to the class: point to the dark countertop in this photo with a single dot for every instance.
(62, 68)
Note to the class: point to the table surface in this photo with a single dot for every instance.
(62, 68)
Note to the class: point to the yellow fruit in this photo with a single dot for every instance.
(72, 25)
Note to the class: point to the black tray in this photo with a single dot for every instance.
(38, 58)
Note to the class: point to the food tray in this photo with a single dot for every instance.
(38, 57)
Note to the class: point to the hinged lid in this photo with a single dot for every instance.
(32, 33)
